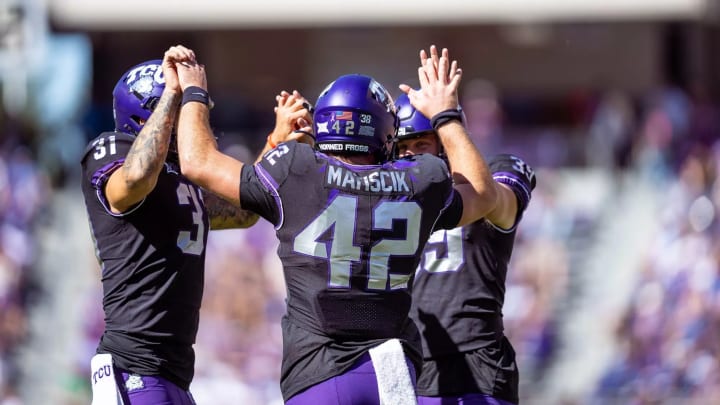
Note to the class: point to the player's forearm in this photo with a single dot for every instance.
(149, 150)
(200, 160)
(469, 167)
(224, 215)
(195, 142)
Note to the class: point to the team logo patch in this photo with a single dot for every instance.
(143, 85)
(322, 128)
(134, 382)
(366, 130)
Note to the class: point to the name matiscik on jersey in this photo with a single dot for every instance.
(377, 181)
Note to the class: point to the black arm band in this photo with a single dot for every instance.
(194, 93)
(444, 117)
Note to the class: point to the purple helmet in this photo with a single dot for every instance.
(412, 123)
(136, 94)
(355, 114)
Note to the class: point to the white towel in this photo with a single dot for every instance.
(102, 378)
(393, 377)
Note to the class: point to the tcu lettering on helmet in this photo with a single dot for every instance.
(355, 113)
(136, 94)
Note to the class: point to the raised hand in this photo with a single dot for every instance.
(191, 73)
(174, 55)
(293, 118)
(439, 81)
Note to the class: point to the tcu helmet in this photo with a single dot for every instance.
(412, 123)
(355, 114)
(136, 94)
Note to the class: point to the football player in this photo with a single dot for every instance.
(351, 225)
(459, 287)
(149, 224)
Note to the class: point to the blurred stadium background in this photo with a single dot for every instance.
(614, 288)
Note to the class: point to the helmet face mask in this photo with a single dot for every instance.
(355, 114)
(136, 94)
